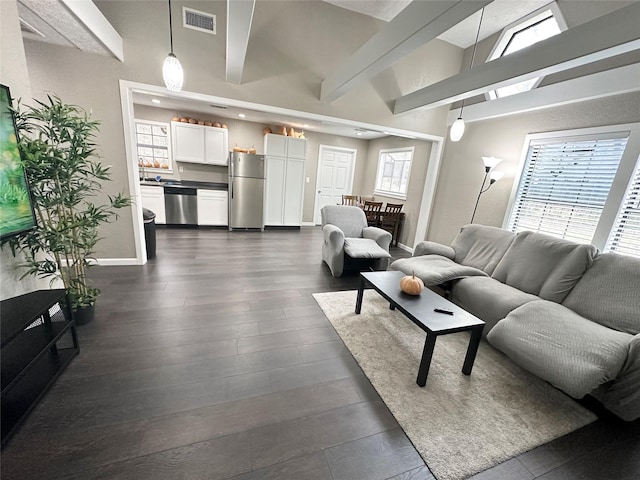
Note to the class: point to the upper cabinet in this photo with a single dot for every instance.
(281, 146)
(199, 144)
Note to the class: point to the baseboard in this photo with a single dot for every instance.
(308, 224)
(112, 262)
(406, 248)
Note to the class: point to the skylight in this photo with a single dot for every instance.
(526, 32)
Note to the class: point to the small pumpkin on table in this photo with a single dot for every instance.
(411, 285)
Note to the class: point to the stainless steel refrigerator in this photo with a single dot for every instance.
(246, 191)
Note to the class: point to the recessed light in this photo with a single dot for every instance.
(155, 100)
(241, 115)
(359, 134)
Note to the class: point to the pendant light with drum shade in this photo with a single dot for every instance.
(457, 128)
(172, 72)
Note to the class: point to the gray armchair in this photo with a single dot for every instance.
(347, 236)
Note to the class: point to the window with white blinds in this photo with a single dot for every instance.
(625, 234)
(565, 184)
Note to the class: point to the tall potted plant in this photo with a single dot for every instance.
(65, 176)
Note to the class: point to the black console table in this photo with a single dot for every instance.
(38, 340)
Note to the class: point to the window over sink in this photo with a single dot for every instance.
(153, 147)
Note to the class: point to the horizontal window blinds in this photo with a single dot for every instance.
(564, 186)
(625, 234)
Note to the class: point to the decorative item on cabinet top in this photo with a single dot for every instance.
(282, 130)
(195, 121)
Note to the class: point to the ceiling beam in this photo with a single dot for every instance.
(96, 23)
(239, 18)
(590, 87)
(419, 23)
(604, 37)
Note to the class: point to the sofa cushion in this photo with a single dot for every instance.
(434, 269)
(364, 248)
(560, 346)
(609, 293)
(545, 266)
(488, 299)
(481, 247)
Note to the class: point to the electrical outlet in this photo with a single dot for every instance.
(181, 169)
(307, 179)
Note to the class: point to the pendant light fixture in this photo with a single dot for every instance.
(457, 128)
(171, 69)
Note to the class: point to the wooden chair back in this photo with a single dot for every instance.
(352, 200)
(390, 220)
(372, 212)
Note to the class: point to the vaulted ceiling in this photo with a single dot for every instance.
(399, 28)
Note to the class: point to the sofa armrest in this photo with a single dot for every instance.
(433, 248)
(623, 396)
(380, 236)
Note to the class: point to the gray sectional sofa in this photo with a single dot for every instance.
(558, 309)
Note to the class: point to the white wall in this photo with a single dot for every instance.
(462, 168)
(14, 74)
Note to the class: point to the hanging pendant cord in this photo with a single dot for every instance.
(473, 55)
(171, 28)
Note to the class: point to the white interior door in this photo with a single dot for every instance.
(335, 177)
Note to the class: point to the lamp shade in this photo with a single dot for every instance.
(490, 162)
(457, 130)
(495, 175)
(172, 73)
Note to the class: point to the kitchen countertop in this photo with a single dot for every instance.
(185, 183)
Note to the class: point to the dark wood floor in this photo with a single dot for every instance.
(213, 361)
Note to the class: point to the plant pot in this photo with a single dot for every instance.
(84, 315)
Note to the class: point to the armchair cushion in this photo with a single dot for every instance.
(351, 220)
(364, 248)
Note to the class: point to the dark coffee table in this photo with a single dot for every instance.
(420, 310)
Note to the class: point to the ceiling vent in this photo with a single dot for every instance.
(196, 20)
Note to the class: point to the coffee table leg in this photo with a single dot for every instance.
(425, 362)
(472, 349)
(360, 293)
(392, 306)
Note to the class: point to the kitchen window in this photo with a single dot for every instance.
(572, 186)
(394, 167)
(152, 146)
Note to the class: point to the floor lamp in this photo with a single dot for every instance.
(494, 176)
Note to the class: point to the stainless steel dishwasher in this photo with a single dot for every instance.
(181, 205)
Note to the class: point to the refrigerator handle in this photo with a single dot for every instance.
(232, 188)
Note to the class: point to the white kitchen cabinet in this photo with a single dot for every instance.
(213, 207)
(199, 144)
(275, 172)
(294, 191)
(153, 198)
(282, 146)
(284, 188)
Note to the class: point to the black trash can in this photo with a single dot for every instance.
(149, 232)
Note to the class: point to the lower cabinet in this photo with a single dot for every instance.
(284, 191)
(153, 199)
(213, 207)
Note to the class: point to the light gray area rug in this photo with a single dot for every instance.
(460, 425)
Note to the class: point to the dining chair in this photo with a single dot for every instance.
(390, 220)
(352, 200)
(372, 212)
